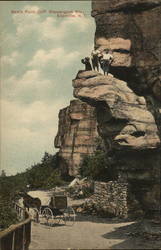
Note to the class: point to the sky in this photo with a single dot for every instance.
(40, 55)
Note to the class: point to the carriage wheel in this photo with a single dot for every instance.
(69, 216)
(34, 213)
(57, 219)
(41, 214)
(47, 215)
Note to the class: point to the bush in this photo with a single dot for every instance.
(45, 174)
(42, 175)
(7, 214)
(54, 180)
(95, 166)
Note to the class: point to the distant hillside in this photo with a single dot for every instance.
(43, 175)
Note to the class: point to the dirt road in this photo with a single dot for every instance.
(88, 232)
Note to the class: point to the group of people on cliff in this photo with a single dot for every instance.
(99, 59)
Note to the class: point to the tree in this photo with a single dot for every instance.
(44, 174)
(41, 175)
(97, 165)
(3, 173)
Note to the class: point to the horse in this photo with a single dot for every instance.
(29, 201)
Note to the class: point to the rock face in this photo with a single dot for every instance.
(131, 28)
(130, 134)
(127, 101)
(76, 135)
(131, 126)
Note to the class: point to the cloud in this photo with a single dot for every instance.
(27, 132)
(46, 28)
(58, 57)
(51, 29)
(35, 115)
(10, 60)
(29, 87)
(25, 23)
(41, 53)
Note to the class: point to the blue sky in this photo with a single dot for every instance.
(40, 55)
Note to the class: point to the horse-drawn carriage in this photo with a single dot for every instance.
(53, 213)
(57, 211)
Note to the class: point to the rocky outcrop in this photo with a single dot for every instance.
(126, 121)
(76, 135)
(131, 28)
(130, 135)
(103, 6)
(128, 101)
(126, 104)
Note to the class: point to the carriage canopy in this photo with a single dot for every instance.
(58, 201)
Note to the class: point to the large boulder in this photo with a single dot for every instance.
(76, 135)
(130, 133)
(126, 122)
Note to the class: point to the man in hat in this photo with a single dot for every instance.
(95, 59)
(106, 61)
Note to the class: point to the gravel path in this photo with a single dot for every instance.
(84, 234)
(88, 232)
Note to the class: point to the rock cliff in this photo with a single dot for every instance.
(128, 101)
(131, 28)
(76, 135)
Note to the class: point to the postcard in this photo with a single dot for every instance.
(80, 133)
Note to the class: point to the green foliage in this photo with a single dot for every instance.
(3, 173)
(42, 175)
(95, 166)
(7, 215)
(45, 174)
(7, 196)
(54, 180)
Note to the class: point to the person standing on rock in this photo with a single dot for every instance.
(95, 59)
(106, 61)
(87, 63)
(100, 55)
